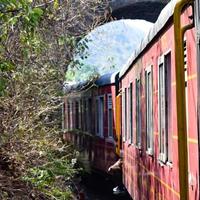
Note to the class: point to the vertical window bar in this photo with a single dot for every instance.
(131, 112)
(128, 114)
(125, 114)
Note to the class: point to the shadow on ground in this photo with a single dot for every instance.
(99, 187)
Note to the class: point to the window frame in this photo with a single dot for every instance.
(169, 107)
(110, 107)
(131, 113)
(162, 155)
(165, 157)
(76, 114)
(100, 120)
(80, 114)
(89, 114)
(149, 111)
(71, 116)
(138, 121)
(123, 115)
(68, 116)
(97, 116)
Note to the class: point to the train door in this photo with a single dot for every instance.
(118, 124)
(197, 25)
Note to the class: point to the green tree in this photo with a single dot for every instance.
(37, 43)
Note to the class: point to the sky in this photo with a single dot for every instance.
(107, 48)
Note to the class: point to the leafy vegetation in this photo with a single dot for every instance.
(37, 42)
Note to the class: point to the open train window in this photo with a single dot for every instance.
(125, 115)
(76, 114)
(131, 113)
(80, 114)
(138, 112)
(128, 115)
(97, 116)
(149, 110)
(89, 115)
(110, 117)
(71, 115)
(85, 114)
(100, 116)
(164, 100)
(68, 116)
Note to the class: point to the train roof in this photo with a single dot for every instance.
(163, 18)
(106, 79)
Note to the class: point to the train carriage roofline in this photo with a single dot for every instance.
(165, 15)
(106, 79)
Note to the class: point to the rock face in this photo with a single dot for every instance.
(137, 9)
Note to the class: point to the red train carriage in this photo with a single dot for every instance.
(152, 167)
(89, 120)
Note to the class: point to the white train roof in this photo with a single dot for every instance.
(163, 18)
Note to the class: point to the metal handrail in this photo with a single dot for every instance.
(180, 97)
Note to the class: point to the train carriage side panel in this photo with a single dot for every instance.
(152, 174)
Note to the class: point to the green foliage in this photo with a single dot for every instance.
(6, 66)
(41, 178)
(37, 42)
(51, 176)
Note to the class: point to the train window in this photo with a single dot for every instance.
(131, 113)
(64, 124)
(101, 115)
(89, 114)
(138, 113)
(164, 97)
(85, 115)
(71, 115)
(128, 114)
(149, 110)
(68, 115)
(76, 115)
(97, 116)
(125, 115)
(162, 113)
(198, 10)
(110, 116)
(80, 114)
(168, 105)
